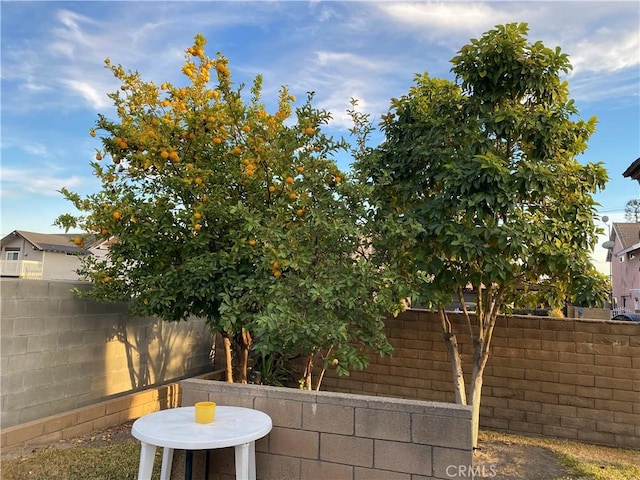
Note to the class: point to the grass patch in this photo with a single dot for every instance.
(582, 460)
(116, 461)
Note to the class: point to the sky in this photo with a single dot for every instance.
(53, 81)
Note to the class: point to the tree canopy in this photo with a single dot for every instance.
(223, 210)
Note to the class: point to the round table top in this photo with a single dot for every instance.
(177, 428)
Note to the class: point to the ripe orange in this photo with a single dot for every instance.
(277, 273)
(275, 265)
(289, 180)
(335, 361)
(78, 241)
(165, 103)
(217, 140)
(98, 156)
(198, 181)
(173, 156)
(246, 128)
(252, 242)
(272, 188)
(338, 179)
(197, 227)
(164, 154)
(293, 195)
(236, 151)
(163, 86)
(197, 215)
(116, 215)
(104, 232)
(309, 131)
(92, 132)
(106, 279)
(300, 212)
(300, 169)
(211, 119)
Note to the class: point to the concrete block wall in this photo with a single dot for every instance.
(576, 379)
(59, 352)
(320, 435)
(85, 420)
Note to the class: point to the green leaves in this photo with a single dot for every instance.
(487, 168)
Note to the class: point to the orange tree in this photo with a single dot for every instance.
(222, 210)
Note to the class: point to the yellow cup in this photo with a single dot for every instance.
(205, 412)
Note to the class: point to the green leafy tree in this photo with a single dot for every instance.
(219, 209)
(482, 180)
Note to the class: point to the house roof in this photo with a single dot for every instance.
(629, 235)
(633, 171)
(50, 242)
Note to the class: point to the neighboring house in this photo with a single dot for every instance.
(633, 171)
(625, 266)
(45, 256)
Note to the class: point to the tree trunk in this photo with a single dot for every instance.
(226, 340)
(456, 367)
(246, 346)
(480, 357)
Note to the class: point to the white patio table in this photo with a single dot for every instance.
(176, 428)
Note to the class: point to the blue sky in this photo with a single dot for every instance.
(54, 83)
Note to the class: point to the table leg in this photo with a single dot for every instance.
(188, 465)
(246, 461)
(167, 461)
(147, 455)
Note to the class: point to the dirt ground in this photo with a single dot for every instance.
(496, 459)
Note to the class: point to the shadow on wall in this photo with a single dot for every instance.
(150, 345)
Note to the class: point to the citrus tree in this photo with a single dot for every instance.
(219, 209)
(482, 179)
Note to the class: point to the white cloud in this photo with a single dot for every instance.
(445, 17)
(607, 51)
(18, 182)
(96, 98)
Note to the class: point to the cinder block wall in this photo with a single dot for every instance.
(330, 435)
(567, 378)
(59, 352)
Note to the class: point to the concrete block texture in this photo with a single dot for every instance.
(377, 440)
(566, 370)
(59, 351)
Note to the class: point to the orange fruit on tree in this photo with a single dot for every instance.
(293, 195)
(197, 227)
(106, 279)
(276, 265)
(246, 128)
(236, 151)
(252, 242)
(338, 178)
(173, 156)
(272, 188)
(300, 168)
(197, 215)
(98, 156)
(92, 132)
(78, 241)
(164, 154)
(211, 119)
(116, 215)
(309, 131)
(217, 140)
(198, 181)
(277, 273)
(289, 180)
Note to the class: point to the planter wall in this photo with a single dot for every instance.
(335, 435)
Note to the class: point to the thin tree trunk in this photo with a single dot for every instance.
(307, 373)
(226, 340)
(451, 342)
(475, 395)
(246, 346)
